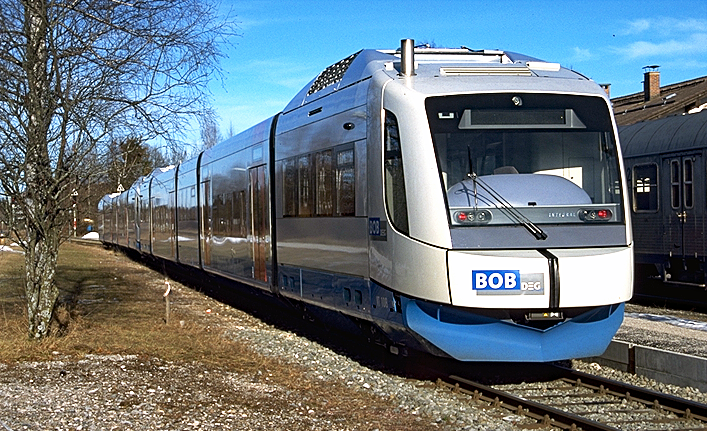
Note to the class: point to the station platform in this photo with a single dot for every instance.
(669, 346)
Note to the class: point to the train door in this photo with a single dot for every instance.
(259, 225)
(682, 208)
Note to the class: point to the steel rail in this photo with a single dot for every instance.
(555, 417)
(83, 241)
(687, 408)
(548, 416)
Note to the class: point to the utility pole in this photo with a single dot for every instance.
(74, 198)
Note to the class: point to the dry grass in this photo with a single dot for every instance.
(107, 305)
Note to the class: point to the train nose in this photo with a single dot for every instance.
(471, 337)
(539, 279)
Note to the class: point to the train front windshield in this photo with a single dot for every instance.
(551, 158)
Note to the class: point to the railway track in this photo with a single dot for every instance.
(82, 241)
(578, 400)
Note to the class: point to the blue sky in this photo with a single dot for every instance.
(284, 44)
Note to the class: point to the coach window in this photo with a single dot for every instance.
(345, 183)
(321, 183)
(675, 184)
(306, 186)
(325, 183)
(687, 175)
(645, 188)
(222, 214)
(290, 200)
(395, 199)
(217, 224)
(239, 214)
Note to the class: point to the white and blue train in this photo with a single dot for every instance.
(467, 203)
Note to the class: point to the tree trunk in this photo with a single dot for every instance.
(40, 206)
(40, 286)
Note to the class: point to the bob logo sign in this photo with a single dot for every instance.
(507, 282)
(377, 229)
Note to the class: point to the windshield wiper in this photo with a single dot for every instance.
(505, 207)
(509, 210)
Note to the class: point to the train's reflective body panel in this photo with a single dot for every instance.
(187, 219)
(132, 208)
(467, 203)
(143, 216)
(121, 209)
(235, 207)
(163, 241)
(112, 238)
(106, 221)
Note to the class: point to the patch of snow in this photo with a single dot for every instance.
(8, 249)
(683, 323)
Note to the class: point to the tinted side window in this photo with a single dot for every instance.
(345, 183)
(321, 183)
(395, 199)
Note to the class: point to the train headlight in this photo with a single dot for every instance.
(595, 215)
(472, 217)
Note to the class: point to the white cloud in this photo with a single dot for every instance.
(690, 45)
(692, 25)
(665, 37)
(692, 63)
(637, 26)
(581, 54)
(664, 26)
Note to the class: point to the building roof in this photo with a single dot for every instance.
(674, 99)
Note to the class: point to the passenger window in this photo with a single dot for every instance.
(687, 173)
(306, 186)
(321, 183)
(290, 188)
(395, 198)
(645, 188)
(218, 226)
(325, 183)
(345, 183)
(239, 214)
(675, 184)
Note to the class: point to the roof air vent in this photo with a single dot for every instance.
(332, 74)
(484, 70)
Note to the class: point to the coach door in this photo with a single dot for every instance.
(259, 225)
(683, 212)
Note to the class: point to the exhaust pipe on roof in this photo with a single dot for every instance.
(407, 57)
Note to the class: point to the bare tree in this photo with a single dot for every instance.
(123, 162)
(231, 132)
(128, 159)
(75, 73)
(210, 134)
